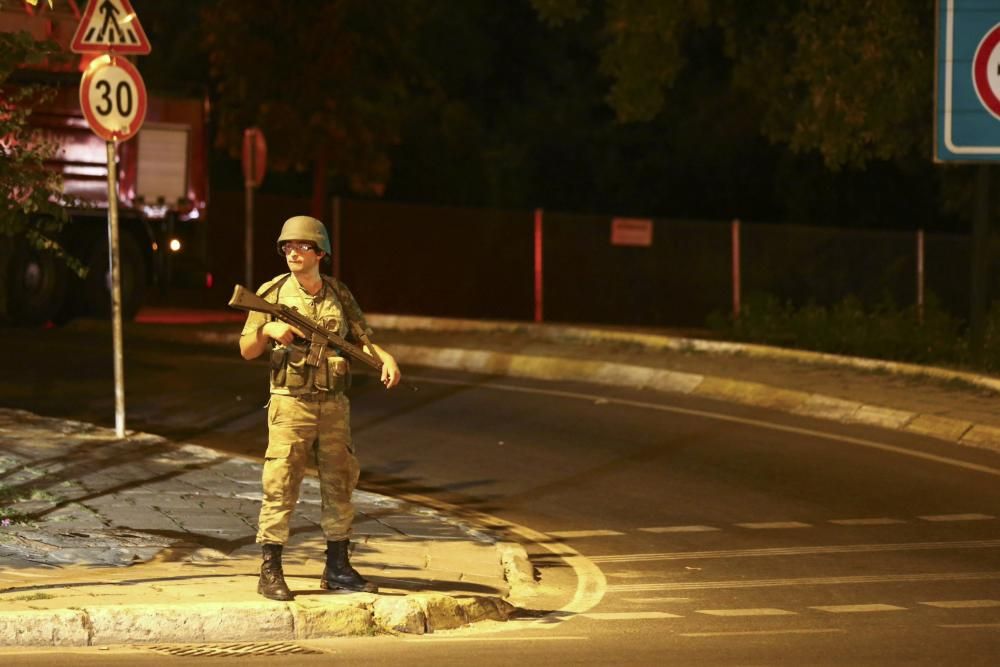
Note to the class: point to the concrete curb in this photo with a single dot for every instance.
(676, 343)
(246, 621)
(736, 391)
(820, 406)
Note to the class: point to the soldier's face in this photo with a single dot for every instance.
(301, 256)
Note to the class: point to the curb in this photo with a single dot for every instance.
(246, 621)
(821, 406)
(737, 391)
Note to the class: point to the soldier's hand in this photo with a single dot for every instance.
(390, 372)
(282, 332)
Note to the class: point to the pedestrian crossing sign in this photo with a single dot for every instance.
(110, 26)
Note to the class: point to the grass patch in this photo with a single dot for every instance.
(850, 327)
(31, 598)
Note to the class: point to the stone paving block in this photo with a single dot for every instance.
(624, 375)
(879, 416)
(469, 558)
(147, 521)
(936, 426)
(981, 435)
(318, 621)
(751, 393)
(827, 407)
(143, 624)
(400, 615)
(673, 381)
(61, 627)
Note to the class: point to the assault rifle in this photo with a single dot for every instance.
(317, 336)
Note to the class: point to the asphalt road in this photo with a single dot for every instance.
(676, 531)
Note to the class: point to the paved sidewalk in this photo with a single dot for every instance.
(144, 540)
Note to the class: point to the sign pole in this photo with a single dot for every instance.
(113, 100)
(116, 292)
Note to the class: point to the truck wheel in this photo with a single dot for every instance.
(97, 286)
(36, 285)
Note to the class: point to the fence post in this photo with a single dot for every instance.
(920, 276)
(538, 265)
(736, 268)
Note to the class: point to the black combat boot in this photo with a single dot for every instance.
(338, 572)
(272, 579)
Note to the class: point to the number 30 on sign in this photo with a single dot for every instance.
(113, 98)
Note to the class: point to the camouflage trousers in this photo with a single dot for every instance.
(303, 432)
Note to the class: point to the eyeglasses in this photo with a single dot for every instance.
(300, 248)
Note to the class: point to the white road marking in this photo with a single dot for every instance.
(798, 551)
(746, 612)
(861, 442)
(963, 604)
(432, 638)
(570, 534)
(805, 581)
(773, 525)
(656, 599)
(858, 608)
(628, 615)
(679, 529)
(957, 517)
(744, 633)
(880, 521)
(590, 582)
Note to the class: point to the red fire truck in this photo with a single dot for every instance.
(162, 192)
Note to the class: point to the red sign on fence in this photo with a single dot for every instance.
(632, 231)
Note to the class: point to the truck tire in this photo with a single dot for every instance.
(97, 286)
(36, 285)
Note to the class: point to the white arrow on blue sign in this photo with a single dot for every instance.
(967, 99)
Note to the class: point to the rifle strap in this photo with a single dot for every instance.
(275, 286)
(337, 288)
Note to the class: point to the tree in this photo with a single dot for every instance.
(327, 81)
(849, 79)
(32, 203)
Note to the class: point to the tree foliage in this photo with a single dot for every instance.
(325, 80)
(849, 79)
(31, 199)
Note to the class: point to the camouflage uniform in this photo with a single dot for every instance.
(308, 414)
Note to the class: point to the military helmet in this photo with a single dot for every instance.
(304, 228)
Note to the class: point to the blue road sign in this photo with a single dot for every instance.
(967, 100)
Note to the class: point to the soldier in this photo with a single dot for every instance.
(308, 414)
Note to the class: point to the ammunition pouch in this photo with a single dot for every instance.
(290, 370)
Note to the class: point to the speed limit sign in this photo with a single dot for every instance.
(113, 98)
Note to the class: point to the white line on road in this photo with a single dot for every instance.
(744, 633)
(878, 521)
(858, 608)
(805, 581)
(773, 525)
(655, 598)
(798, 551)
(679, 529)
(570, 534)
(628, 615)
(963, 604)
(861, 442)
(957, 517)
(430, 639)
(763, 611)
